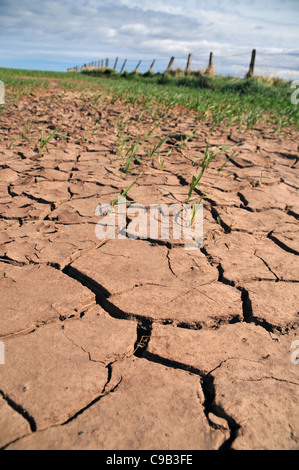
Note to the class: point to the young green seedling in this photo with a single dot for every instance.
(228, 158)
(208, 157)
(187, 138)
(157, 146)
(27, 130)
(45, 140)
(116, 201)
(161, 162)
(12, 144)
(195, 207)
(131, 155)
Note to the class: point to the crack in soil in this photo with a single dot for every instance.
(20, 410)
(248, 316)
(268, 267)
(103, 394)
(281, 245)
(208, 388)
(169, 264)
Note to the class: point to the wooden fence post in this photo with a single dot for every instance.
(115, 63)
(251, 66)
(209, 70)
(169, 65)
(151, 67)
(122, 69)
(107, 64)
(188, 64)
(136, 68)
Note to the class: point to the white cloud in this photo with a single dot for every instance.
(93, 29)
(137, 29)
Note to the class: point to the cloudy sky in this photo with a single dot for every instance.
(57, 34)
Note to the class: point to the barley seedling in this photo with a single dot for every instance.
(209, 156)
(186, 139)
(156, 146)
(45, 140)
(207, 159)
(195, 207)
(228, 158)
(131, 155)
(161, 162)
(12, 144)
(116, 201)
(261, 176)
(27, 130)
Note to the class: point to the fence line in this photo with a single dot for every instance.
(185, 63)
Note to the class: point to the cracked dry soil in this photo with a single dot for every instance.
(141, 344)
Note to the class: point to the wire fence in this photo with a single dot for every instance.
(282, 64)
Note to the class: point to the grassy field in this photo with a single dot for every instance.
(218, 100)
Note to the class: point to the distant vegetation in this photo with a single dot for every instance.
(229, 99)
(226, 100)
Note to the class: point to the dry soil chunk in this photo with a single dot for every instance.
(32, 295)
(76, 212)
(48, 243)
(106, 339)
(267, 197)
(49, 376)
(7, 175)
(201, 306)
(245, 362)
(275, 303)
(284, 265)
(49, 191)
(264, 406)
(206, 349)
(192, 267)
(12, 424)
(255, 222)
(119, 265)
(153, 407)
(235, 253)
(288, 241)
(24, 208)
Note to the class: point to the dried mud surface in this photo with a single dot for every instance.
(142, 344)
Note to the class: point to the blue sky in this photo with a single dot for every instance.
(57, 34)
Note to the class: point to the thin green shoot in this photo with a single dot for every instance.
(195, 207)
(27, 130)
(161, 162)
(44, 141)
(12, 144)
(195, 180)
(158, 145)
(228, 159)
(131, 155)
(187, 138)
(209, 156)
(116, 201)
